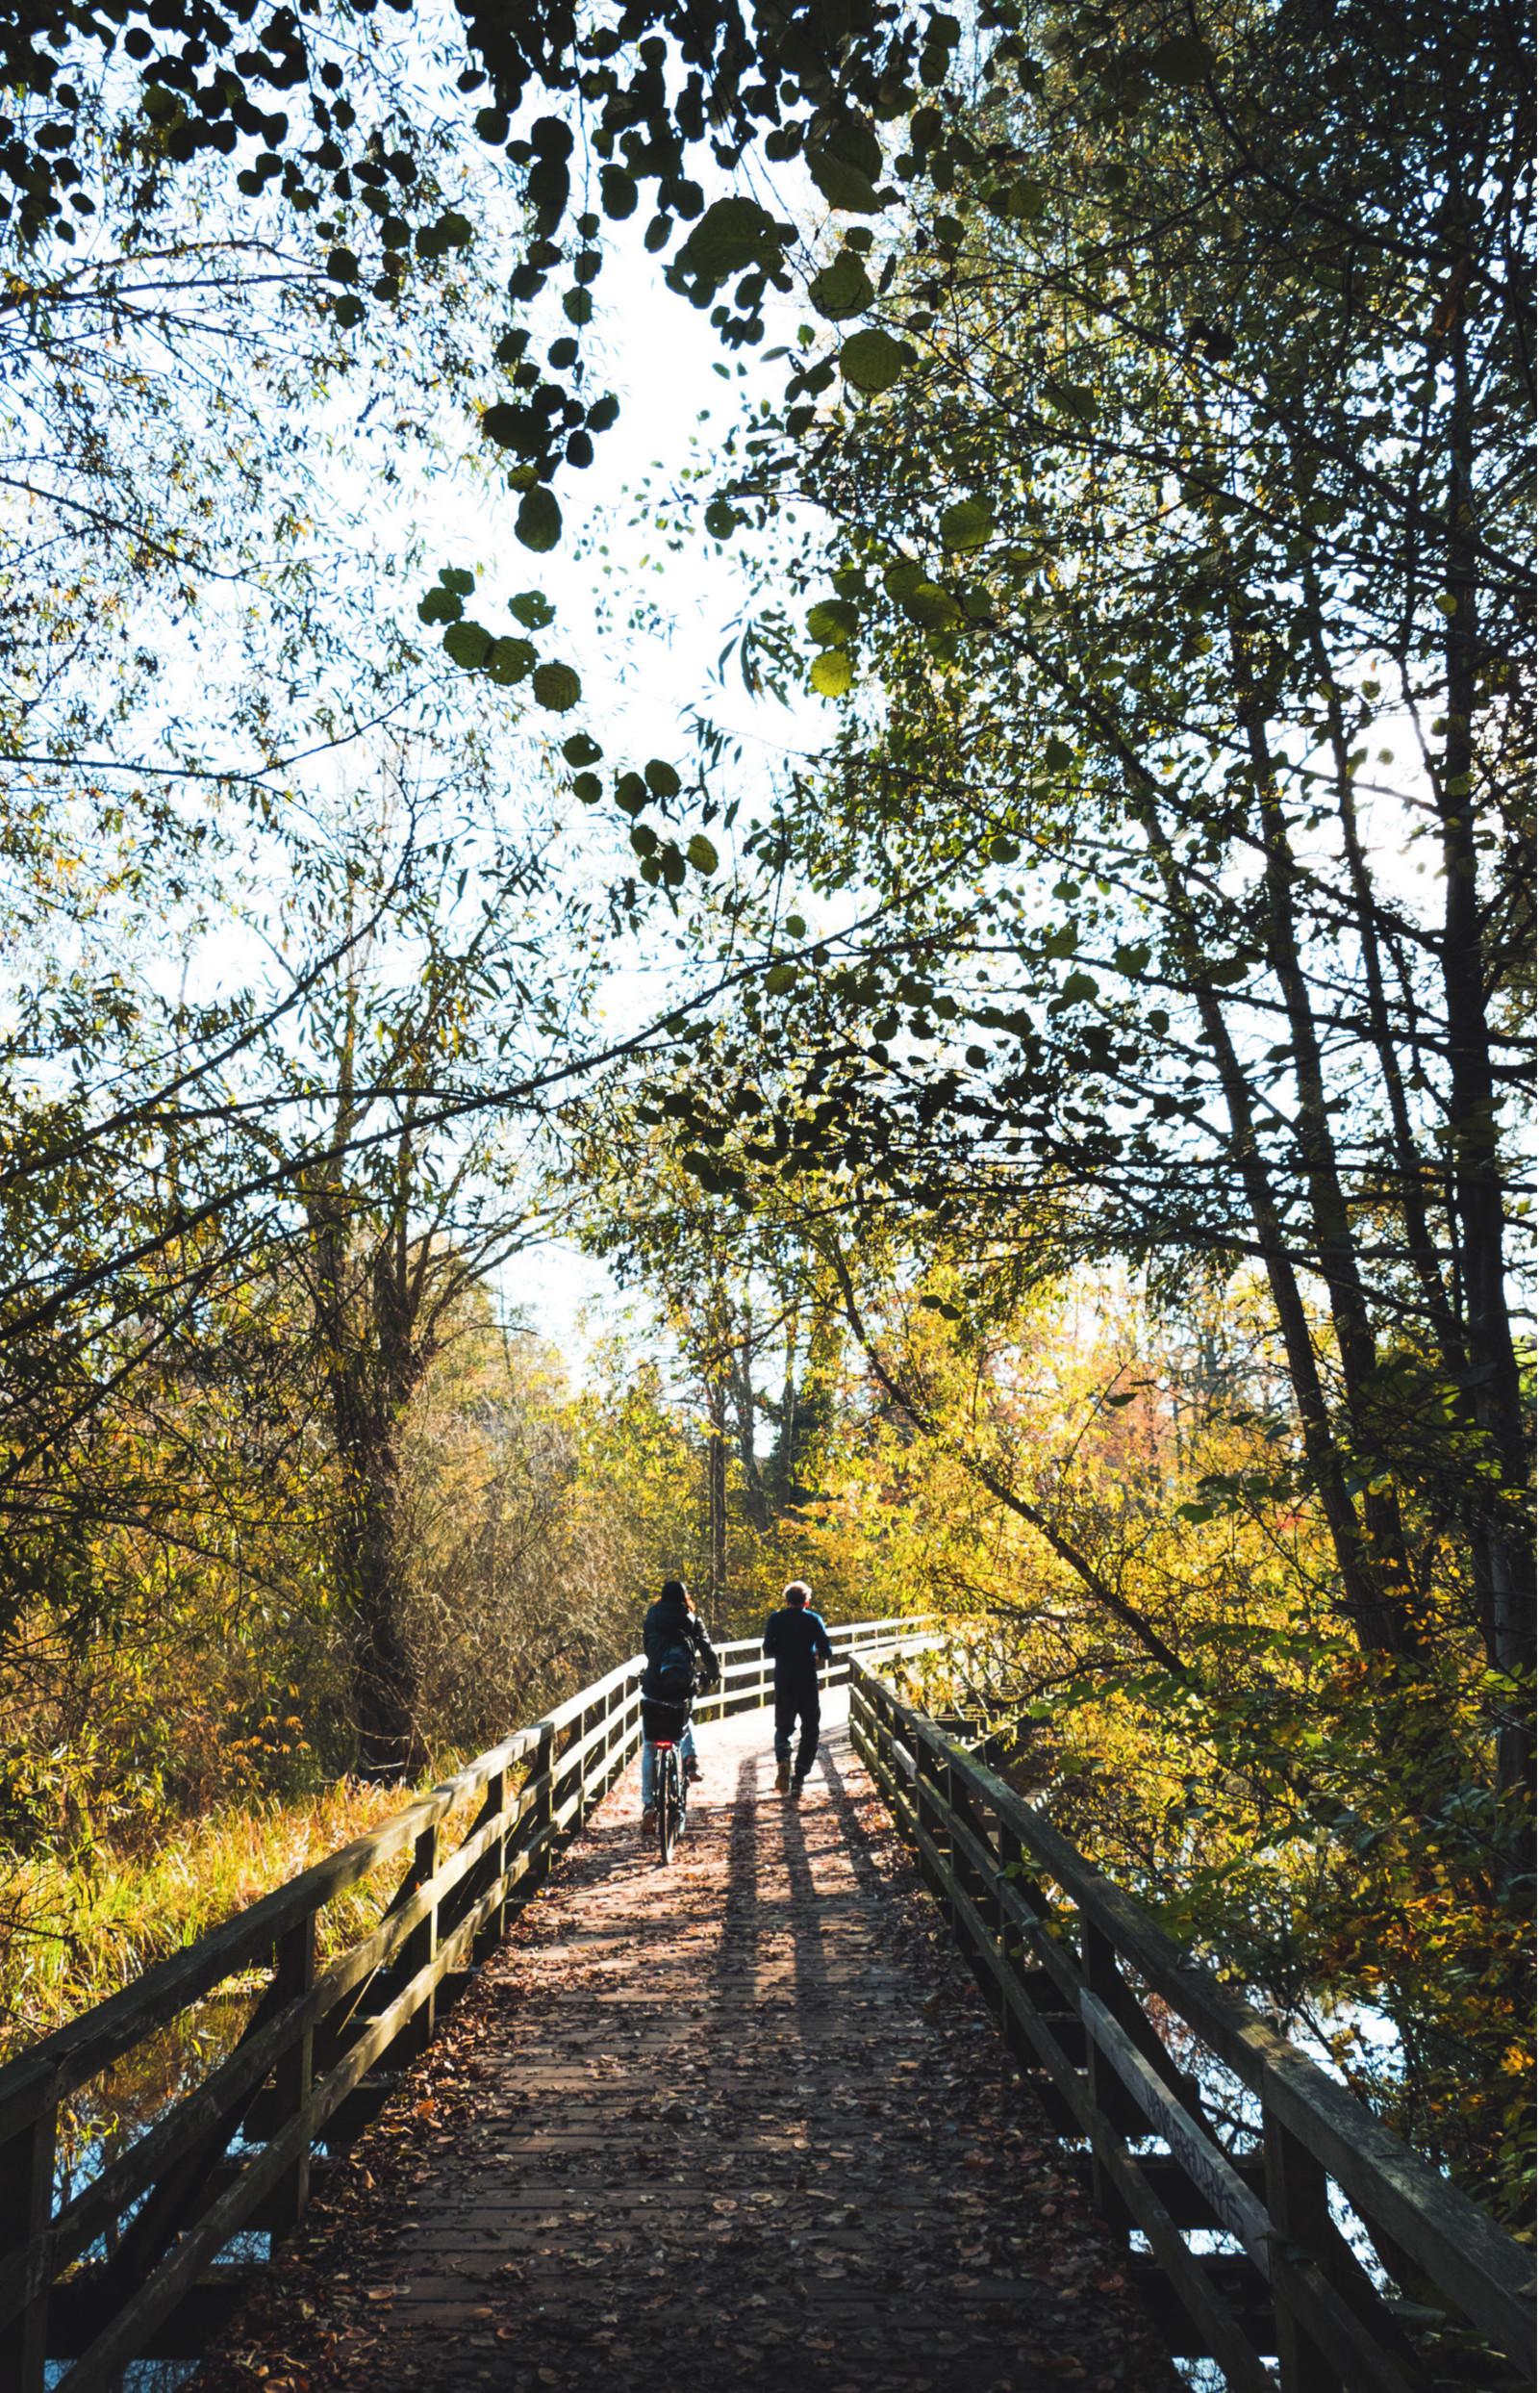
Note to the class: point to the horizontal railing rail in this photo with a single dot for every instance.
(1076, 1981)
(139, 2256)
(748, 1680)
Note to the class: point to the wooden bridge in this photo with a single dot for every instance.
(579, 2124)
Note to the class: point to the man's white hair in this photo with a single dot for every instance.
(798, 1593)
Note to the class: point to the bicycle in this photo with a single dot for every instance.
(670, 1796)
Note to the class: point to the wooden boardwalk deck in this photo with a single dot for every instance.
(699, 2127)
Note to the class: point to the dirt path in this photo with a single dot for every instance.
(695, 2128)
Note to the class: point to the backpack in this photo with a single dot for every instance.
(673, 1675)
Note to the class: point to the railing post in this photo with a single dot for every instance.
(26, 2207)
(614, 1706)
(585, 1722)
(885, 1749)
(540, 1838)
(1101, 1976)
(943, 1781)
(491, 1934)
(293, 1976)
(422, 1947)
(1296, 2205)
(936, 1873)
(1010, 1853)
(620, 1749)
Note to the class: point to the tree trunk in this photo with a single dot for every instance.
(756, 1502)
(1336, 1254)
(1503, 1556)
(368, 1572)
(717, 1491)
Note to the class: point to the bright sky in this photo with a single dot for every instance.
(662, 360)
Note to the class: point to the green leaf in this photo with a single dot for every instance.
(468, 646)
(845, 165)
(556, 686)
(733, 234)
(539, 521)
(842, 289)
(831, 673)
(455, 577)
(1078, 988)
(1183, 59)
(342, 267)
(580, 749)
(1002, 850)
(701, 854)
(440, 606)
(928, 605)
(1072, 398)
(873, 361)
(832, 621)
(617, 192)
(967, 524)
(779, 979)
(515, 426)
(1024, 201)
(533, 609)
(451, 231)
(661, 778)
(510, 660)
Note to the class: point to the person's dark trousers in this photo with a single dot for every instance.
(791, 1704)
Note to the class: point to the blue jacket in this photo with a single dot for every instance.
(796, 1642)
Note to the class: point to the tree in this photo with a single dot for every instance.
(1176, 466)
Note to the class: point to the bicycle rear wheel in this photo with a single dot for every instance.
(670, 1807)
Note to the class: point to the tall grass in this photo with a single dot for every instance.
(74, 1931)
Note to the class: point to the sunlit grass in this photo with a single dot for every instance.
(73, 1932)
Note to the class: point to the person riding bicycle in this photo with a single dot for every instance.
(680, 1665)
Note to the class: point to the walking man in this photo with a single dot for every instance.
(796, 1642)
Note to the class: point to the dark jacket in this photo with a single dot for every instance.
(667, 1626)
(796, 1642)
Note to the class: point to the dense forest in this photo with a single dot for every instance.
(1041, 1062)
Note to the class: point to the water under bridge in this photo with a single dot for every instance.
(889, 2087)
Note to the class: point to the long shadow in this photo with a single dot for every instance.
(810, 1956)
(734, 1972)
(867, 1874)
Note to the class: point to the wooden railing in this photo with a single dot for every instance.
(130, 2263)
(1080, 1978)
(748, 1680)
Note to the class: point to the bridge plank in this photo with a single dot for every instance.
(739, 2118)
